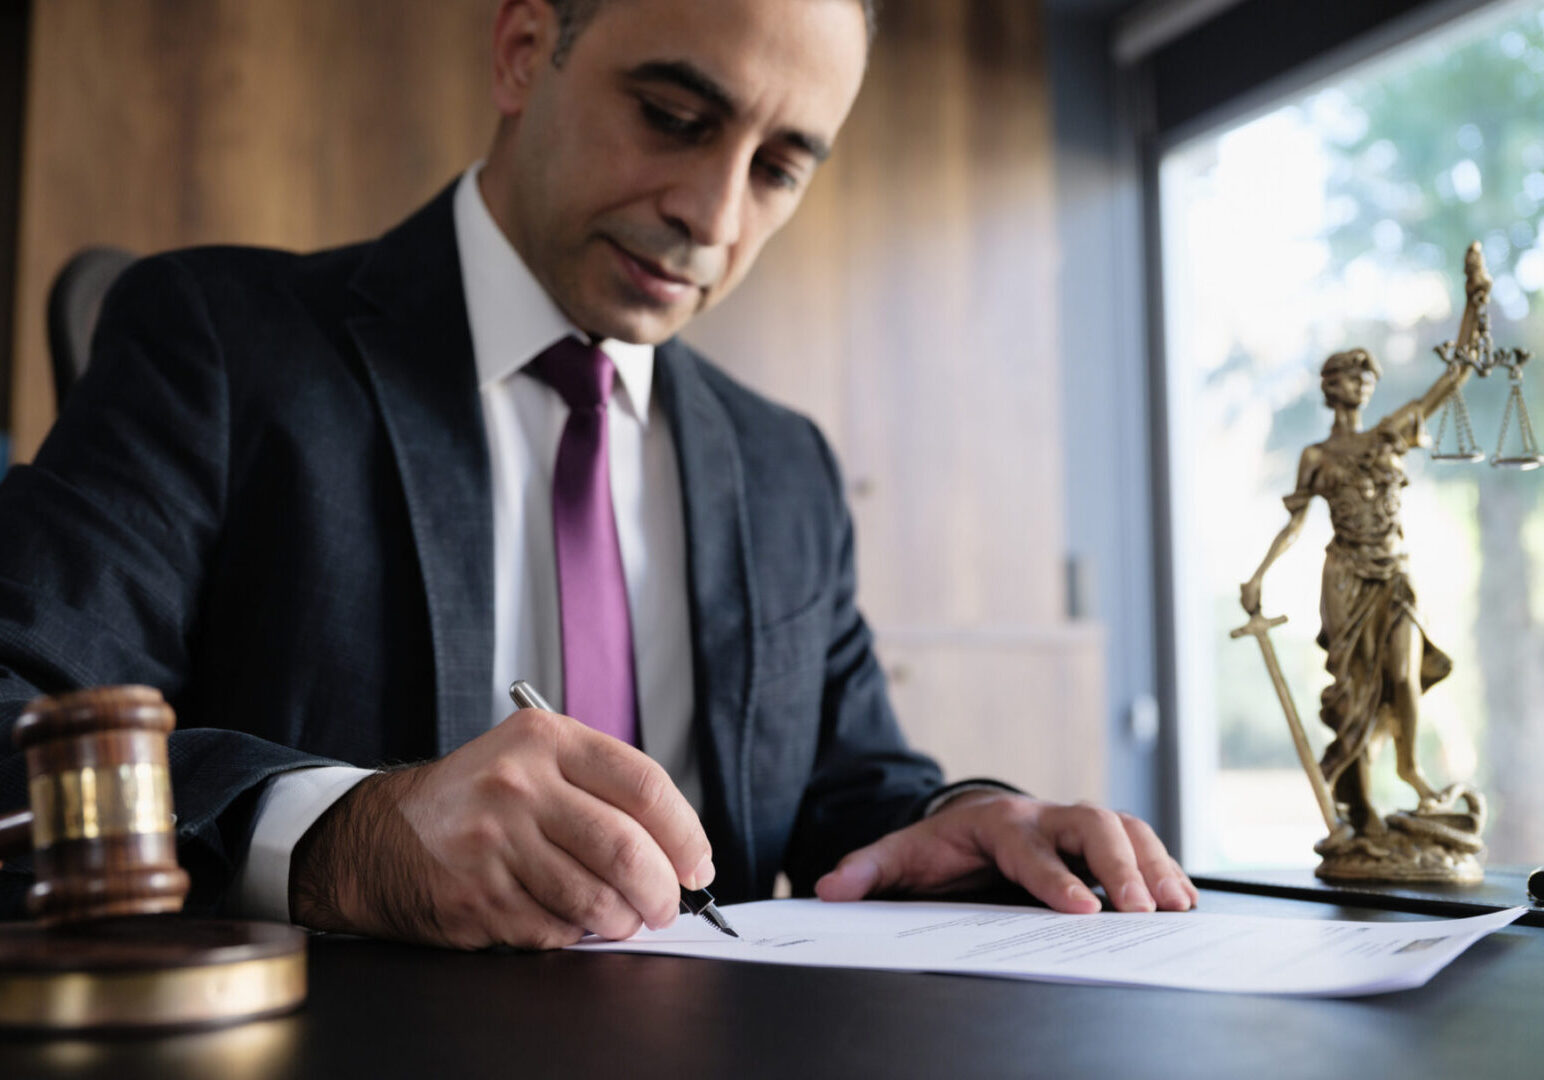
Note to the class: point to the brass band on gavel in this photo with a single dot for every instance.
(101, 830)
(100, 791)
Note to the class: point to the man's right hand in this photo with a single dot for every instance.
(527, 836)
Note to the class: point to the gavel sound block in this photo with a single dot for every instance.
(108, 949)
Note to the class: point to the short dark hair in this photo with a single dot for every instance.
(575, 15)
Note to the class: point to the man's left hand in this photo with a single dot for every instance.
(980, 835)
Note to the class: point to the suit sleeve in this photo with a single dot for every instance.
(104, 545)
(867, 781)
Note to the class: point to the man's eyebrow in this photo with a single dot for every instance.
(688, 77)
(694, 80)
(813, 145)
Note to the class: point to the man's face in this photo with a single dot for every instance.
(640, 179)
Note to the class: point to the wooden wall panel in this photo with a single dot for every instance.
(910, 308)
(784, 330)
(15, 20)
(295, 123)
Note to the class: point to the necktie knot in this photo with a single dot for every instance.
(581, 374)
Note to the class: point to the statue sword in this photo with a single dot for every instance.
(1260, 627)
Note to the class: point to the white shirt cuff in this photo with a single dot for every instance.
(289, 806)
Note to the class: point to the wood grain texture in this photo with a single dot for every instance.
(154, 124)
(100, 792)
(910, 309)
(15, 18)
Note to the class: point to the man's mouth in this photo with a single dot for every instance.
(654, 281)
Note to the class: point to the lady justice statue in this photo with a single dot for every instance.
(1378, 651)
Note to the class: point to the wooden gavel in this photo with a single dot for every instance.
(100, 825)
(101, 830)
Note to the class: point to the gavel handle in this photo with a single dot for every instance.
(15, 834)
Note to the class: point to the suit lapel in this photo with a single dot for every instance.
(723, 598)
(417, 350)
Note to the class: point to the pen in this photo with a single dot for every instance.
(693, 901)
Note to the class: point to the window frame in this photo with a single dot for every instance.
(1245, 58)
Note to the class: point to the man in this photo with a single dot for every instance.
(320, 501)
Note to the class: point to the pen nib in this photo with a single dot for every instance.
(713, 916)
(700, 902)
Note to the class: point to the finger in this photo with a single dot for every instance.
(1026, 857)
(1100, 837)
(921, 858)
(617, 850)
(860, 873)
(1165, 880)
(528, 924)
(568, 890)
(914, 859)
(1188, 885)
(493, 909)
(629, 780)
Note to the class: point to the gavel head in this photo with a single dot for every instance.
(102, 829)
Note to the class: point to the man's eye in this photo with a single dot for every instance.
(671, 123)
(776, 175)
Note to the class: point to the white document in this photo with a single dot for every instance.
(1194, 950)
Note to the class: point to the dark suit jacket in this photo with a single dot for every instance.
(269, 497)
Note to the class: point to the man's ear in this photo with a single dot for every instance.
(525, 33)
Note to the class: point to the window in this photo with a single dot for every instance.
(1335, 220)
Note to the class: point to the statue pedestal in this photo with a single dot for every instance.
(1438, 843)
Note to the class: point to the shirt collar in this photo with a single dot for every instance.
(512, 318)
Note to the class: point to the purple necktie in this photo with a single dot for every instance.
(597, 633)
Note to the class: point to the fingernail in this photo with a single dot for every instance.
(1135, 897)
(1080, 896)
(702, 876)
(1171, 896)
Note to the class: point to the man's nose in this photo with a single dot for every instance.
(707, 200)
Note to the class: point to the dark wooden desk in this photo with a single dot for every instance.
(386, 1011)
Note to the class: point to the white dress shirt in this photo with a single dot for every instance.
(512, 322)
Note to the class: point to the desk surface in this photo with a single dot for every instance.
(387, 1011)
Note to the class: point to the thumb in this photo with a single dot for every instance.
(855, 877)
(879, 868)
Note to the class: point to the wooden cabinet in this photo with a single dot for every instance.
(1011, 704)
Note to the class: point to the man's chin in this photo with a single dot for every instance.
(636, 327)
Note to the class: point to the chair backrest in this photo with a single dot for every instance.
(74, 302)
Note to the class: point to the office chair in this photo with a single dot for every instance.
(74, 302)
